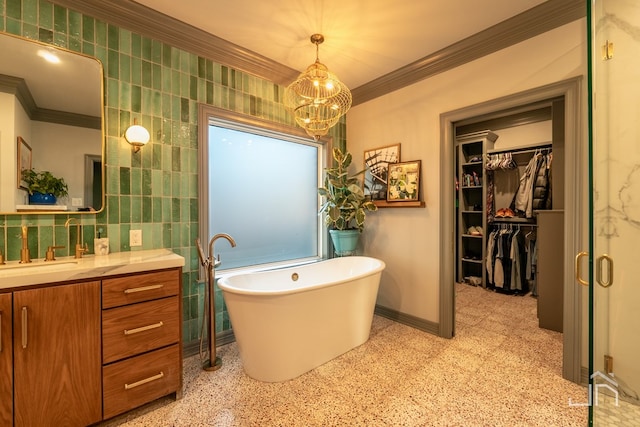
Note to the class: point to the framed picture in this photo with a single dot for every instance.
(403, 184)
(24, 160)
(377, 163)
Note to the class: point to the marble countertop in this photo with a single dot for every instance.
(13, 274)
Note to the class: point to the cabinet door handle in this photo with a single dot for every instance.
(24, 327)
(144, 381)
(577, 268)
(609, 261)
(0, 332)
(142, 328)
(142, 289)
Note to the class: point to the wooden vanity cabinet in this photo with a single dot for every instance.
(141, 336)
(56, 343)
(6, 361)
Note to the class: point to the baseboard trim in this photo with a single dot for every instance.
(193, 347)
(407, 319)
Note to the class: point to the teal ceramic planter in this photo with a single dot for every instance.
(345, 242)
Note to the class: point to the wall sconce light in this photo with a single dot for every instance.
(137, 136)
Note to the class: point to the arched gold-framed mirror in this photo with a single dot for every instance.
(51, 119)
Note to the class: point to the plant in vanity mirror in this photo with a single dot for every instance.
(43, 187)
(345, 204)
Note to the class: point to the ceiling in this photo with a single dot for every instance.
(364, 39)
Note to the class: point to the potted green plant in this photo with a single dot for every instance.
(345, 204)
(43, 187)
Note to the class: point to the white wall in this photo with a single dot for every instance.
(61, 149)
(407, 238)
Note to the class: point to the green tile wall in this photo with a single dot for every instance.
(156, 189)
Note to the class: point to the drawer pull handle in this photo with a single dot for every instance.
(142, 328)
(24, 327)
(144, 381)
(0, 332)
(142, 289)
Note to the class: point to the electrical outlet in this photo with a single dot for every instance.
(135, 238)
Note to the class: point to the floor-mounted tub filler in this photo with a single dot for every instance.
(289, 321)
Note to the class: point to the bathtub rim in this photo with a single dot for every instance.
(221, 281)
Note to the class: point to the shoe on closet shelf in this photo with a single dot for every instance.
(475, 230)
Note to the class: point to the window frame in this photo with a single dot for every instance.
(209, 115)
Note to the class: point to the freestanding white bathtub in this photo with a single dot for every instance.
(289, 321)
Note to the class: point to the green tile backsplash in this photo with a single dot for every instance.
(156, 189)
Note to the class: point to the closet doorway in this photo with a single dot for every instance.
(551, 115)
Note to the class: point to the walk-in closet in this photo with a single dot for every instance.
(509, 205)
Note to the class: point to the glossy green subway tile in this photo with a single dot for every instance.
(166, 235)
(157, 209)
(113, 67)
(75, 24)
(45, 15)
(30, 12)
(136, 71)
(14, 9)
(13, 26)
(175, 210)
(124, 237)
(176, 236)
(59, 19)
(125, 209)
(146, 182)
(145, 50)
(125, 180)
(156, 76)
(185, 211)
(30, 31)
(147, 209)
(113, 209)
(136, 209)
(113, 232)
(146, 73)
(136, 181)
(166, 209)
(88, 29)
(175, 184)
(125, 69)
(125, 95)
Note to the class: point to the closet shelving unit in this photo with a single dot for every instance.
(471, 212)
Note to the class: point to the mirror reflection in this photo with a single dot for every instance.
(51, 108)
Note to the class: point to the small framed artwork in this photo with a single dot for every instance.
(403, 184)
(24, 160)
(376, 162)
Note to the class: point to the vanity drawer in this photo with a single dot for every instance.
(136, 381)
(136, 328)
(139, 287)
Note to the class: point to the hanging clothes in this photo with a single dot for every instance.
(507, 260)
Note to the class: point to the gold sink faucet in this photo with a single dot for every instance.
(80, 249)
(25, 257)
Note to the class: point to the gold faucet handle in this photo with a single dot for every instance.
(51, 254)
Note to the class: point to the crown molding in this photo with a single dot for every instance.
(535, 21)
(18, 87)
(150, 23)
(158, 26)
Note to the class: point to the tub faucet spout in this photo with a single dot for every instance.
(217, 262)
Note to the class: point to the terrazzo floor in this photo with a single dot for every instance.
(499, 370)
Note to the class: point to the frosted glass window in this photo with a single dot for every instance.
(263, 192)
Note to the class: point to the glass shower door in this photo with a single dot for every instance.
(614, 76)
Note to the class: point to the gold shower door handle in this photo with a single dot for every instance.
(601, 259)
(577, 268)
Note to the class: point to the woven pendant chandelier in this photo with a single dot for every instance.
(317, 98)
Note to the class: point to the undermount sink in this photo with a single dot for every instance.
(40, 266)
